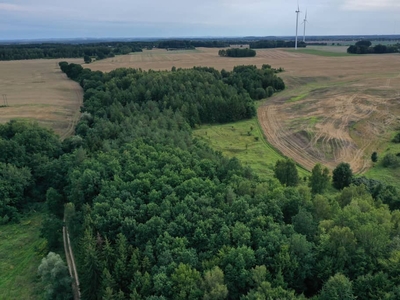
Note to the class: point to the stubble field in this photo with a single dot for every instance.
(335, 109)
(37, 90)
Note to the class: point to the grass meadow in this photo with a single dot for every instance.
(21, 251)
(245, 141)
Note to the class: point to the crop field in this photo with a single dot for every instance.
(335, 109)
(37, 90)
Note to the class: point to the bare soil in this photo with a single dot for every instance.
(335, 109)
(37, 90)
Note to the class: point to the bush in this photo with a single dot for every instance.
(374, 157)
(55, 276)
(390, 161)
(396, 139)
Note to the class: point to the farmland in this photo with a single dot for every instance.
(37, 90)
(334, 108)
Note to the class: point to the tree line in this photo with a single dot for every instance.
(365, 47)
(102, 50)
(48, 51)
(276, 44)
(237, 52)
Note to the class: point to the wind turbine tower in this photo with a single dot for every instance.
(297, 23)
(305, 21)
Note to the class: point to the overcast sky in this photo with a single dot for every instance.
(22, 19)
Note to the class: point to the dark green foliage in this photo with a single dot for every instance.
(374, 157)
(26, 152)
(237, 52)
(364, 47)
(364, 43)
(319, 179)
(52, 231)
(286, 172)
(86, 51)
(253, 80)
(87, 59)
(276, 44)
(396, 139)
(390, 161)
(200, 94)
(14, 183)
(342, 176)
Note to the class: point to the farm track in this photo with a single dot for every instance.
(71, 263)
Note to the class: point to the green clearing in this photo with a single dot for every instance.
(320, 52)
(245, 141)
(21, 251)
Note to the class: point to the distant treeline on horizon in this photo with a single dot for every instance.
(110, 49)
(104, 49)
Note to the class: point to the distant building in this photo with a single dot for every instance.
(244, 46)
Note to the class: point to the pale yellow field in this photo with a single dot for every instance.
(38, 90)
(335, 109)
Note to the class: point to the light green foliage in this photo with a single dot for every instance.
(55, 276)
(186, 283)
(213, 285)
(338, 287)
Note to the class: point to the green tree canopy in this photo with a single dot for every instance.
(286, 172)
(342, 176)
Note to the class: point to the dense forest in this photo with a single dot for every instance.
(365, 47)
(154, 213)
(237, 52)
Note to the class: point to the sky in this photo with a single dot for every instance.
(38, 19)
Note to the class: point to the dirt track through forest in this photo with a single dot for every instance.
(334, 109)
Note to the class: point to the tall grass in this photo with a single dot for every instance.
(21, 251)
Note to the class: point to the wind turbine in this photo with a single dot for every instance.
(297, 23)
(304, 22)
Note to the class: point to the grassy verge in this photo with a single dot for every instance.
(245, 141)
(21, 251)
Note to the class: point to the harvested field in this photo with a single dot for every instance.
(37, 90)
(335, 109)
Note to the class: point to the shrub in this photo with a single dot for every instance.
(390, 161)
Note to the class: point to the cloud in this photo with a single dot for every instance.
(12, 7)
(370, 5)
